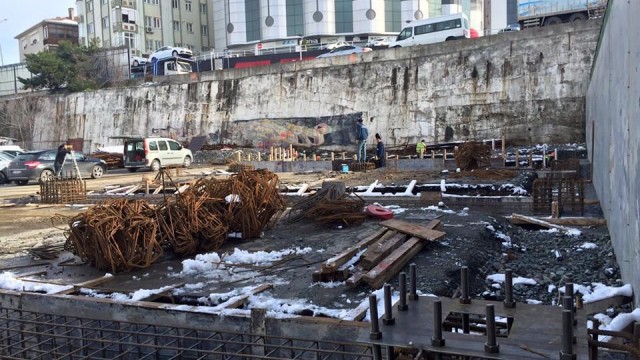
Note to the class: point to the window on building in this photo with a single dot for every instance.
(203, 8)
(158, 44)
(105, 22)
(153, 2)
(91, 28)
(204, 30)
(104, 2)
(175, 4)
(157, 23)
(189, 27)
(148, 46)
(89, 6)
(176, 25)
(187, 5)
(392, 20)
(252, 18)
(295, 18)
(46, 32)
(130, 40)
(148, 21)
(344, 16)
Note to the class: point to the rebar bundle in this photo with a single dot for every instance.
(472, 155)
(121, 235)
(345, 211)
(118, 236)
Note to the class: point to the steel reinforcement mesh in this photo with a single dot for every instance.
(30, 335)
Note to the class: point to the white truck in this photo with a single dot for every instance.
(533, 13)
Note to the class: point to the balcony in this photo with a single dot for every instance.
(123, 3)
(122, 27)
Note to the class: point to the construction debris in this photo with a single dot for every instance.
(378, 257)
(122, 235)
(472, 155)
(113, 160)
(63, 190)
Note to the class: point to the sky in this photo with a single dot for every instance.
(21, 17)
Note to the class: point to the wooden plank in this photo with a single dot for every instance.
(379, 250)
(333, 263)
(534, 221)
(182, 189)
(604, 304)
(158, 189)
(359, 312)
(419, 231)
(393, 263)
(355, 279)
(132, 190)
(567, 221)
(153, 297)
(86, 284)
(238, 301)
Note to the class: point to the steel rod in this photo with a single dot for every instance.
(388, 306)
(508, 287)
(373, 314)
(413, 295)
(464, 285)
(402, 305)
(436, 339)
(491, 346)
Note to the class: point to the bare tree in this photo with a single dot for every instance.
(17, 118)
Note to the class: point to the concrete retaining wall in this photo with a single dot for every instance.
(529, 86)
(613, 130)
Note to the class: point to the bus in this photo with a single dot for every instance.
(433, 30)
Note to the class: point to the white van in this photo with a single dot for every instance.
(433, 30)
(154, 153)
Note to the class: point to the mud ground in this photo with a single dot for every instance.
(468, 242)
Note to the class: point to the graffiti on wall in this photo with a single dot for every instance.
(330, 132)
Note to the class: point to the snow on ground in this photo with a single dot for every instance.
(616, 324)
(599, 291)
(500, 235)
(8, 281)
(134, 296)
(516, 280)
(588, 245)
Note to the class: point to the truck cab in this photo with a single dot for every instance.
(172, 66)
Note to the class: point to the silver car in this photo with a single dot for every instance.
(38, 166)
(170, 51)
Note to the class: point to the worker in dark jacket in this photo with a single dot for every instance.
(381, 154)
(63, 150)
(361, 137)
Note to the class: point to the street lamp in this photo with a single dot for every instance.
(1, 59)
(301, 39)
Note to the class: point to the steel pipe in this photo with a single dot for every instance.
(388, 318)
(508, 288)
(413, 295)
(491, 346)
(402, 305)
(436, 339)
(464, 286)
(373, 313)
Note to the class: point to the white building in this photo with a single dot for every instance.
(45, 35)
(204, 25)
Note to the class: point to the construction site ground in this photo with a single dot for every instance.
(474, 238)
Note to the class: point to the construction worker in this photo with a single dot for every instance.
(63, 150)
(421, 147)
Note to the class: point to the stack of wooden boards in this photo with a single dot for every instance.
(378, 257)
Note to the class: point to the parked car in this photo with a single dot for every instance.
(38, 165)
(170, 51)
(138, 60)
(154, 153)
(4, 164)
(345, 50)
(11, 153)
(511, 27)
(379, 42)
(335, 45)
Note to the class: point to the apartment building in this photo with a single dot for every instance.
(145, 25)
(204, 25)
(45, 35)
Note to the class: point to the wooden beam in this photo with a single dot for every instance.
(86, 284)
(356, 278)
(393, 263)
(534, 221)
(359, 312)
(567, 221)
(419, 231)
(333, 263)
(238, 301)
(378, 251)
(153, 297)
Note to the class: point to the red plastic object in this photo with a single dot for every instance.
(379, 212)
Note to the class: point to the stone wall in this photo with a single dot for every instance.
(613, 130)
(529, 86)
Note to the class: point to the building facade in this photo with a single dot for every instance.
(45, 35)
(208, 25)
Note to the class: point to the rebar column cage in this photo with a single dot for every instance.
(25, 334)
